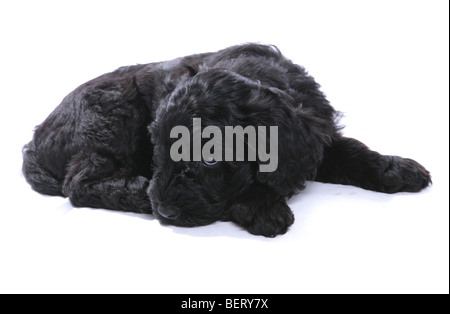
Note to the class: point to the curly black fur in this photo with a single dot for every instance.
(107, 144)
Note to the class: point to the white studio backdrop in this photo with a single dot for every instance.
(384, 64)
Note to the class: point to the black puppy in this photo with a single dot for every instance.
(107, 145)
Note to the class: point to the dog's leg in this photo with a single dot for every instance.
(97, 180)
(262, 212)
(40, 179)
(348, 161)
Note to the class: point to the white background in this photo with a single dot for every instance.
(383, 63)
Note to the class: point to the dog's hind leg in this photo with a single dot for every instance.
(40, 179)
(348, 161)
(99, 180)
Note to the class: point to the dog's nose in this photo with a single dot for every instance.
(169, 212)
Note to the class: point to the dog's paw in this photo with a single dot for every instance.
(272, 222)
(262, 212)
(136, 196)
(405, 175)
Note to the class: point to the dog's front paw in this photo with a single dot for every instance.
(272, 222)
(262, 212)
(405, 175)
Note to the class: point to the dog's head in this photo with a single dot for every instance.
(193, 185)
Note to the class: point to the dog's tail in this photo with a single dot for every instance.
(38, 177)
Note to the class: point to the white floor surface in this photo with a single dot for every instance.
(383, 63)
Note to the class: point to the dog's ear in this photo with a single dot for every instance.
(300, 140)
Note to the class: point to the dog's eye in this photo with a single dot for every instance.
(210, 161)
